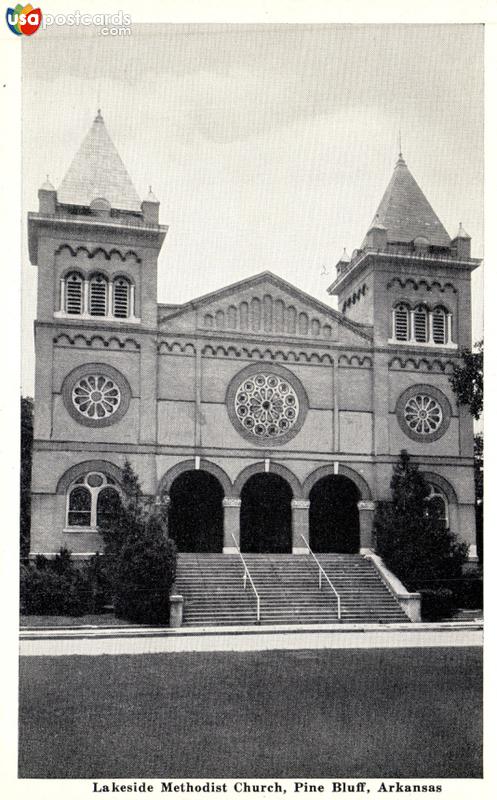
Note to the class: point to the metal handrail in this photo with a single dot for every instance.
(246, 575)
(321, 573)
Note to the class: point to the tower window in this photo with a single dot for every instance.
(439, 323)
(401, 323)
(121, 298)
(98, 296)
(420, 324)
(74, 294)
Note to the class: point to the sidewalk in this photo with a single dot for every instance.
(132, 640)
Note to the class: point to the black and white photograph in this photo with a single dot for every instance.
(251, 418)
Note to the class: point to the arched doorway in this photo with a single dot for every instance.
(266, 515)
(334, 516)
(196, 512)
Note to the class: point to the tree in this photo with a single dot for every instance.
(25, 476)
(467, 380)
(140, 557)
(478, 471)
(410, 537)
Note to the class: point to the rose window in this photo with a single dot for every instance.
(266, 405)
(96, 397)
(423, 414)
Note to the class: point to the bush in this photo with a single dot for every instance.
(140, 559)
(58, 586)
(468, 593)
(436, 603)
(410, 537)
(145, 574)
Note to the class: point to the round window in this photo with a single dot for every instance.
(267, 405)
(96, 395)
(423, 413)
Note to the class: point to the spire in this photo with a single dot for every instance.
(406, 213)
(47, 186)
(98, 171)
(461, 233)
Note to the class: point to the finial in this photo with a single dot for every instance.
(99, 117)
(461, 233)
(47, 186)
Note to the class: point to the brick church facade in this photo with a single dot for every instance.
(272, 420)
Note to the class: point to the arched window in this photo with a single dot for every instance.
(107, 505)
(73, 294)
(98, 296)
(439, 323)
(121, 299)
(438, 505)
(401, 323)
(91, 501)
(420, 324)
(79, 507)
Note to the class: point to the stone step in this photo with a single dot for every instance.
(212, 587)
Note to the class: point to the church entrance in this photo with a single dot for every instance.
(196, 513)
(266, 515)
(334, 516)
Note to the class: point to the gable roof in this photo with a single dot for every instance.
(267, 276)
(98, 171)
(406, 213)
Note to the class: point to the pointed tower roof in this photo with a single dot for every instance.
(98, 171)
(406, 213)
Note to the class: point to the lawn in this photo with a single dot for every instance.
(333, 713)
(54, 621)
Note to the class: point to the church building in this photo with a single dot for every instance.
(271, 420)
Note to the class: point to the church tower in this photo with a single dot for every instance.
(96, 246)
(409, 285)
(409, 280)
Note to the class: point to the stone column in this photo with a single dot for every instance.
(300, 525)
(231, 506)
(366, 514)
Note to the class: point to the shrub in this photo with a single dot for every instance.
(140, 559)
(436, 603)
(410, 538)
(57, 586)
(468, 593)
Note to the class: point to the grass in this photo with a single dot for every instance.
(368, 713)
(54, 621)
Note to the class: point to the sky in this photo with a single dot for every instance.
(268, 146)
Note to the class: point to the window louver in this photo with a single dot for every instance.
(98, 297)
(401, 324)
(74, 295)
(420, 325)
(121, 298)
(439, 327)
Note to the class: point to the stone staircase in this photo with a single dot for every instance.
(212, 587)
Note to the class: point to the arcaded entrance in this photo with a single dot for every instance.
(334, 516)
(266, 515)
(196, 513)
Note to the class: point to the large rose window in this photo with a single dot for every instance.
(96, 396)
(266, 405)
(423, 414)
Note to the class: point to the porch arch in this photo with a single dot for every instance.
(343, 470)
(189, 466)
(276, 469)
